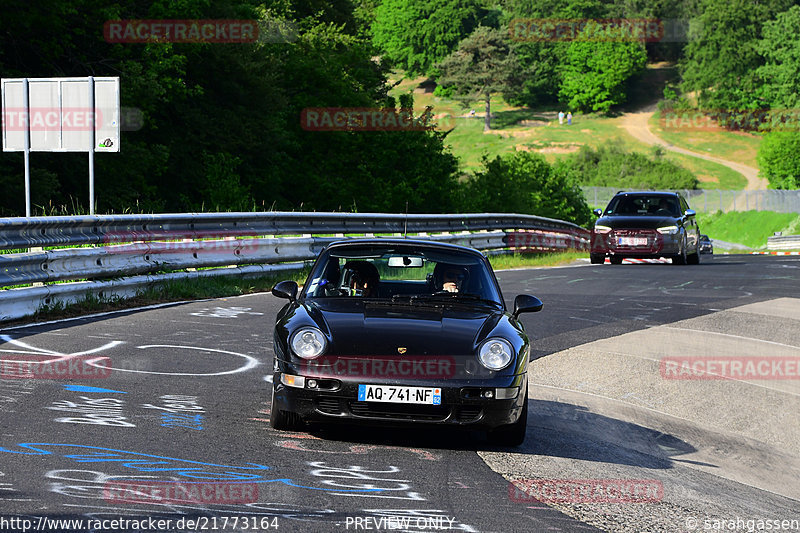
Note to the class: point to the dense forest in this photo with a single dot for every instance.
(218, 124)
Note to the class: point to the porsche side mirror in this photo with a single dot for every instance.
(690, 212)
(525, 303)
(285, 289)
(597, 212)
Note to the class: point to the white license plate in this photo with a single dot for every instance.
(633, 241)
(397, 394)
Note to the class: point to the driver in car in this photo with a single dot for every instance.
(450, 278)
(362, 279)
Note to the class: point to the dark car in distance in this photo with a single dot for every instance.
(706, 247)
(396, 332)
(646, 225)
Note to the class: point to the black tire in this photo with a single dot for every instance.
(681, 259)
(615, 260)
(512, 434)
(597, 259)
(282, 420)
(694, 259)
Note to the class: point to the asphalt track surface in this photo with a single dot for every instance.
(187, 400)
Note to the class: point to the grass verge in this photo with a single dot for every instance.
(504, 262)
(750, 228)
(711, 175)
(739, 147)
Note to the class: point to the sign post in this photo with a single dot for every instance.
(27, 148)
(60, 115)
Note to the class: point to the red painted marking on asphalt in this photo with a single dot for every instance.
(297, 446)
(428, 456)
(629, 261)
(774, 253)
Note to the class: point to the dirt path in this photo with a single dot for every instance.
(637, 125)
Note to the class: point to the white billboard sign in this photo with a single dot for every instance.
(61, 115)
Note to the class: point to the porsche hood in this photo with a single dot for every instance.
(377, 329)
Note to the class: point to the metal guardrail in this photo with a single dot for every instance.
(110, 229)
(789, 242)
(245, 244)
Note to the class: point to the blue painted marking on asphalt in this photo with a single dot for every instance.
(144, 462)
(84, 388)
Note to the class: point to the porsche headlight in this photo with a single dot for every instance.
(495, 354)
(308, 343)
(602, 229)
(668, 230)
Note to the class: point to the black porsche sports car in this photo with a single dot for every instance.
(646, 225)
(399, 332)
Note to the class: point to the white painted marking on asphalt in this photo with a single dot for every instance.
(252, 362)
(734, 336)
(108, 346)
(587, 319)
(109, 313)
(226, 312)
(21, 344)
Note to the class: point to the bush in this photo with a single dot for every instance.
(610, 165)
(523, 182)
(779, 159)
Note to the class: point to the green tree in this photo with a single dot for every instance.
(416, 34)
(780, 73)
(596, 72)
(722, 56)
(541, 62)
(523, 182)
(481, 65)
(779, 159)
(221, 123)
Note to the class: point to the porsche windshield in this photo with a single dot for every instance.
(401, 273)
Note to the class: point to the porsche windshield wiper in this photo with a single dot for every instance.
(453, 297)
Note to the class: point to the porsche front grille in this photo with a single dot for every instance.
(399, 412)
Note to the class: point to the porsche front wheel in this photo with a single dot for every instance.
(282, 420)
